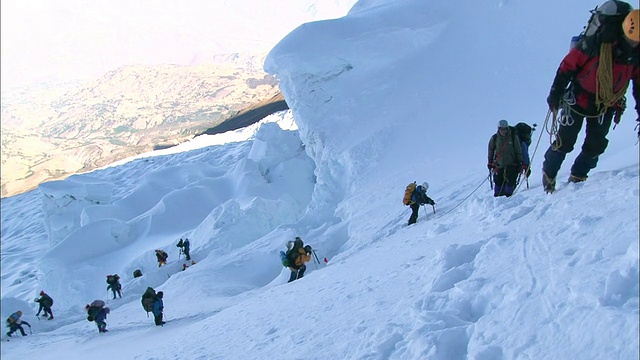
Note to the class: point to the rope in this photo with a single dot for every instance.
(554, 139)
(605, 96)
(465, 199)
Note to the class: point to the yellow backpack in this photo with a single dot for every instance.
(408, 192)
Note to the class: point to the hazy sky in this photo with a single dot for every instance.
(70, 39)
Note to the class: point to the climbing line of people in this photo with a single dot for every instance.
(583, 90)
(152, 302)
(97, 311)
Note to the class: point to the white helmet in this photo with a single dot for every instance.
(289, 245)
(425, 185)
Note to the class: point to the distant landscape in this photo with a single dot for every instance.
(53, 131)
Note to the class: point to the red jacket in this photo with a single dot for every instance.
(579, 67)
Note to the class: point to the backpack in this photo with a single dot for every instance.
(13, 318)
(47, 301)
(524, 132)
(112, 279)
(408, 193)
(94, 309)
(289, 257)
(284, 259)
(604, 25)
(148, 298)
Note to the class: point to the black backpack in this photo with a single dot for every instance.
(94, 309)
(604, 25)
(112, 279)
(524, 132)
(148, 298)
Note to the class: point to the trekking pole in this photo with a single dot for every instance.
(30, 332)
(434, 208)
(316, 256)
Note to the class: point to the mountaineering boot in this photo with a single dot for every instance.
(576, 179)
(50, 317)
(548, 183)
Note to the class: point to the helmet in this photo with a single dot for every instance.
(631, 26)
(289, 245)
(41, 292)
(425, 186)
(19, 312)
(503, 124)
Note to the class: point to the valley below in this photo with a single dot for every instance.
(52, 131)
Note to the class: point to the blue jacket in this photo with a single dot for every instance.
(158, 306)
(420, 196)
(525, 153)
(101, 316)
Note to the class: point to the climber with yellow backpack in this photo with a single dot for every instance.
(590, 84)
(414, 196)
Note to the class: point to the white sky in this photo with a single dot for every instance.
(382, 97)
(52, 41)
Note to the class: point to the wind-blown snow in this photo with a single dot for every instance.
(391, 93)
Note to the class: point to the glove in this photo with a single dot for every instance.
(523, 168)
(308, 248)
(553, 100)
(490, 166)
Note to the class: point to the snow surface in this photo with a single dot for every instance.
(394, 92)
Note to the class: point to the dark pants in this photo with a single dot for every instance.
(15, 327)
(594, 144)
(504, 180)
(415, 209)
(102, 326)
(158, 319)
(116, 291)
(297, 274)
(45, 309)
(186, 254)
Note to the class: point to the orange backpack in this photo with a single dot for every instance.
(408, 192)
